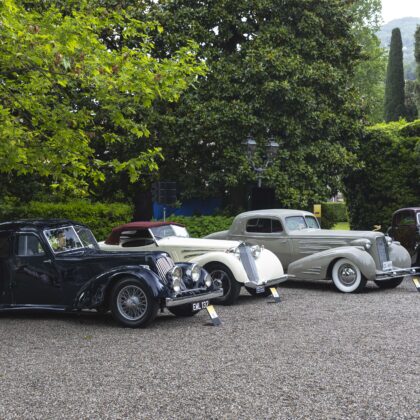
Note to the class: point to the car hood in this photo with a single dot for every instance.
(196, 243)
(328, 234)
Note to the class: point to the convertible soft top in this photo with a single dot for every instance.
(114, 237)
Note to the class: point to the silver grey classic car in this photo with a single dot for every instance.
(350, 258)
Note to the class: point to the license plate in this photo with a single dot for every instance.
(197, 306)
(260, 289)
(387, 265)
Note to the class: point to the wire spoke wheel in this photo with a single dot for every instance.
(132, 302)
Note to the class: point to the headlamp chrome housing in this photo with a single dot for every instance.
(195, 273)
(256, 250)
(208, 280)
(388, 240)
(235, 251)
(175, 275)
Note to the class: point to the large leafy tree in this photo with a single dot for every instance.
(281, 69)
(76, 84)
(394, 88)
(369, 77)
(417, 56)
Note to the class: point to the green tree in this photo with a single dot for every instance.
(275, 69)
(369, 77)
(68, 100)
(394, 88)
(417, 56)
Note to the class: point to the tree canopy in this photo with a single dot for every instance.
(275, 69)
(394, 88)
(75, 84)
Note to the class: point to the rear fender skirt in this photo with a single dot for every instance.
(93, 293)
(315, 266)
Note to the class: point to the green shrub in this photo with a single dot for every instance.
(333, 213)
(199, 226)
(390, 177)
(100, 217)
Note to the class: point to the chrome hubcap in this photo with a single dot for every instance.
(132, 303)
(347, 274)
(221, 279)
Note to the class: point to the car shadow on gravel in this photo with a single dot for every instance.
(324, 286)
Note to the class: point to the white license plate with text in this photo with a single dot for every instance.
(197, 306)
(387, 265)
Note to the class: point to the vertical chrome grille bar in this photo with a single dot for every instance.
(164, 264)
(248, 262)
(382, 250)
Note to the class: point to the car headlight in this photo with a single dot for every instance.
(208, 280)
(235, 251)
(367, 245)
(175, 274)
(256, 250)
(388, 240)
(195, 273)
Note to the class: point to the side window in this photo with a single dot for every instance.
(29, 245)
(264, 226)
(4, 245)
(132, 239)
(406, 218)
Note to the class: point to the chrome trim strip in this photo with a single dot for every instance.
(267, 283)
(182, 300)
(385, 275)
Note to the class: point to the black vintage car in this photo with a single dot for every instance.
(406, 229)
(57, 265)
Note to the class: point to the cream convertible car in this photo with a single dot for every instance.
(349, 257)
(230, 263)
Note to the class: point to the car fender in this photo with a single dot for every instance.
(316, 266)
(228, 259)
(94, 292)
(399, 256)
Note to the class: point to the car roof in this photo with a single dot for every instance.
(407, 209)
(114, 237)
(273, 213)
(37, 224)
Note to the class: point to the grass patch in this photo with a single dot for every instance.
(341, 226)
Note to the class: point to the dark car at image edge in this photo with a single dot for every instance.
(56, 265)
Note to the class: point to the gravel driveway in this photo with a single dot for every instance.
(317, 354)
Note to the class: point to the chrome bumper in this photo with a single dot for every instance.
(398, 272)
(268, 283)
(182, 300)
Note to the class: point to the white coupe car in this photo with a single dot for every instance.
(230, 263)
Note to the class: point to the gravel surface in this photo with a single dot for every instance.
(318, 354)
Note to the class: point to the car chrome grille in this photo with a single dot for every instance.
(382, 250)
(163, 265)
(249, 263)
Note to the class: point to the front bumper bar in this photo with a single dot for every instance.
(397, 272)
(182, 300)
(267, 283)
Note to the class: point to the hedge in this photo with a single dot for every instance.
(390, 177)
(100, 217)
(332, 213)
(199, 226)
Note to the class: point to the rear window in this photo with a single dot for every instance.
(264, 225)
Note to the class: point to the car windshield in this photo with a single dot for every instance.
(312, 222)
(69, 238)
(169, 230)
(300, 222)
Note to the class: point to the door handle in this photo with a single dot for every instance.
(47, 261)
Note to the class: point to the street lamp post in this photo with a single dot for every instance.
(250, 146)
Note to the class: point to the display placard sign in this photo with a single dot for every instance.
(213, 315)
(317, 210)
(275, 294)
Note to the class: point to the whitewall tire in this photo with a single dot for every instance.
(347, 276)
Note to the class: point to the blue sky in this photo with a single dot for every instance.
(394, 9)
